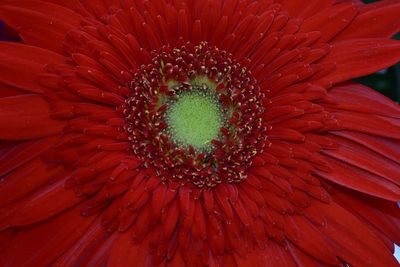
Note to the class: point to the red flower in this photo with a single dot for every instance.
(198, 133)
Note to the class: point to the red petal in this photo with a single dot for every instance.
(359, 98)
(5, 238)
(6, 90)
(302, 259)
(359, 57)
(297, 8)
(39, 23)
(20, 154)
(99, 7)
(365, 159)
(309, 239)
(71, 4)
(26, 117)
(386, 147)
(93, 241)
(24, 180)
(44, 243)
(20, 65)
(273, 255)
(353, 240)
(44, 203)
(382, 20)
(323, 21)
(124, 252)
(101, 255)
(367, 123)
(373, 211)
(362, 181)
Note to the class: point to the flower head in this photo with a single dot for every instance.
(197, 133)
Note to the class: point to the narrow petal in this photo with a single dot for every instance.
(355, 58)
(26, 117)
(274, 254)
(75, 5)
(375, 213)
(13, 157)
(82, 253)
(309, 239)
(296, 8)
(351, 238)
(363, 158)
(39, 23)
(302, 259)
(361, 181)
(359, 98)
(390, 149)
(124, 252)
(20, 65)
(322, 21)
(7, 90)
(44, 203)
(41, 245)
(371, 124)
(31, 175)
(382, 21)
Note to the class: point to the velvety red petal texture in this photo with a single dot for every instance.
(359, 57)
(48, 237)
(28, 63)
(36, 25)
(381, 18)
(26, 117)
(304, 171)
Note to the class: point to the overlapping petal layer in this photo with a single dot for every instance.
(322, 193)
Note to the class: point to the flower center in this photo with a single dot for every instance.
(195, 119)
(195, 116)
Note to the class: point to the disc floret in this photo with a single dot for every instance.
(195, 118)
(228, 98)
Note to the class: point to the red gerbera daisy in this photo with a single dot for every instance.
(198, 133)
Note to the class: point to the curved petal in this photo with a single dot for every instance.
(41, 205)
(7, 90)
(360, 180)
(390, 149)
(44, 243)
(26, 117)
(359, 98)
(374, 21)
(83, 253)
(13, 157)
(360, 157)
(375, 213)
(274, 254)
(24, 180)
(75, 5)
(20, 65)
(353, 241)
(358, 57)
(297, 8)
(39, 23)
(343, 13)
(309, 239)
(124, 252)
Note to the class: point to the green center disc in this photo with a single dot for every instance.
(195, 118)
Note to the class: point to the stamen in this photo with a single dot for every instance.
(195, 115)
